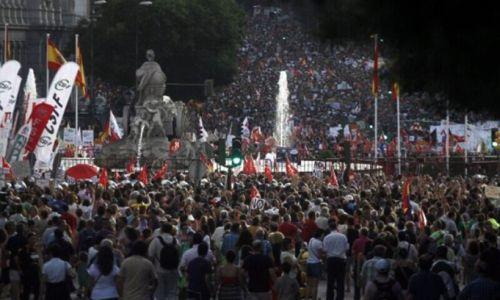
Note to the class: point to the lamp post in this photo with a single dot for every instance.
(142, 3)
(93, 6)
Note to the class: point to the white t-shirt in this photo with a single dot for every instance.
(55, 270)
(314, 248)
(104, 287)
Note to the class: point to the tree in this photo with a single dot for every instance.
(193, 40)
(440, 46)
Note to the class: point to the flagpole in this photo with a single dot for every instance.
(399, 131)
(5, 42)
(465, 144)
(447, 145)
(76, 94)
(47, 74)
(375, 87)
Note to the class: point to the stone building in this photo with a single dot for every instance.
(29, 22)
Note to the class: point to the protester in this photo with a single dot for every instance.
(382, 286)
(137, 278)
(335, 245)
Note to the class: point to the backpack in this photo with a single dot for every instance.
(169, 255)
(384, 290)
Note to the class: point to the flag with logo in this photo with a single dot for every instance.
(58, 96)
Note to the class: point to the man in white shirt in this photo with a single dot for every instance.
(192, 253)
(335, 246)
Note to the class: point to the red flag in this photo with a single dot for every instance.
(117, 176)
(7, 170)
(291, 171)
(39, 118)
(249, 166)
(256, 135)
(375, 82)
(268, 173)
(422, 219)
(406, 195)
(174, 146)
(333, 177)
(103, 178)
(131, 167)
(395, 91)
(161, 172)
(143, 175)
(254, 192)
(207, 162)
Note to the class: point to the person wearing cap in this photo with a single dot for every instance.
(335, 245)
(382, 286)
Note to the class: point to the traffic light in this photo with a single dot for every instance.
(221, 152)
(495, 139)
(236, 158)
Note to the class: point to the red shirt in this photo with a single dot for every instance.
(70, 220)
(289, 230)
(308, 229)
(359, 246)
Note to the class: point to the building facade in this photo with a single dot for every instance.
(29, 21)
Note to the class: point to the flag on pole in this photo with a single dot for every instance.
(395, 91)
(256, 135)
(55, 59)
(143, 175)
(30, 95)
(406, 195)
(291, 171)
(333, 177)
(160, 173)
(80, 77)
(375, 81)
(268, 173)
(103, 177)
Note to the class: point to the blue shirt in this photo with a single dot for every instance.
(229, 242)
(481, 289)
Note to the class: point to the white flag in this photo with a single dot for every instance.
(245, 129)
(114, 130)
(8, 108)
(30, 95)
(59, 92)
(202, 133)
(8, 82)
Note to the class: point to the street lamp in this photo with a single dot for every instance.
(142, 3)
(93, 6)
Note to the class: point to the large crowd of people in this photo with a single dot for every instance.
(171, 239)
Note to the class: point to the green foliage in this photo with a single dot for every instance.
(193, 40)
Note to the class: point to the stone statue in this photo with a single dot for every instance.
(150, 79)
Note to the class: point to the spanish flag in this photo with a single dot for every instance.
(55, 59)
(406, 195)
(80, 77)
(395, 91)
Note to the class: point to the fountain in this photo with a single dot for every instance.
(281, 129)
